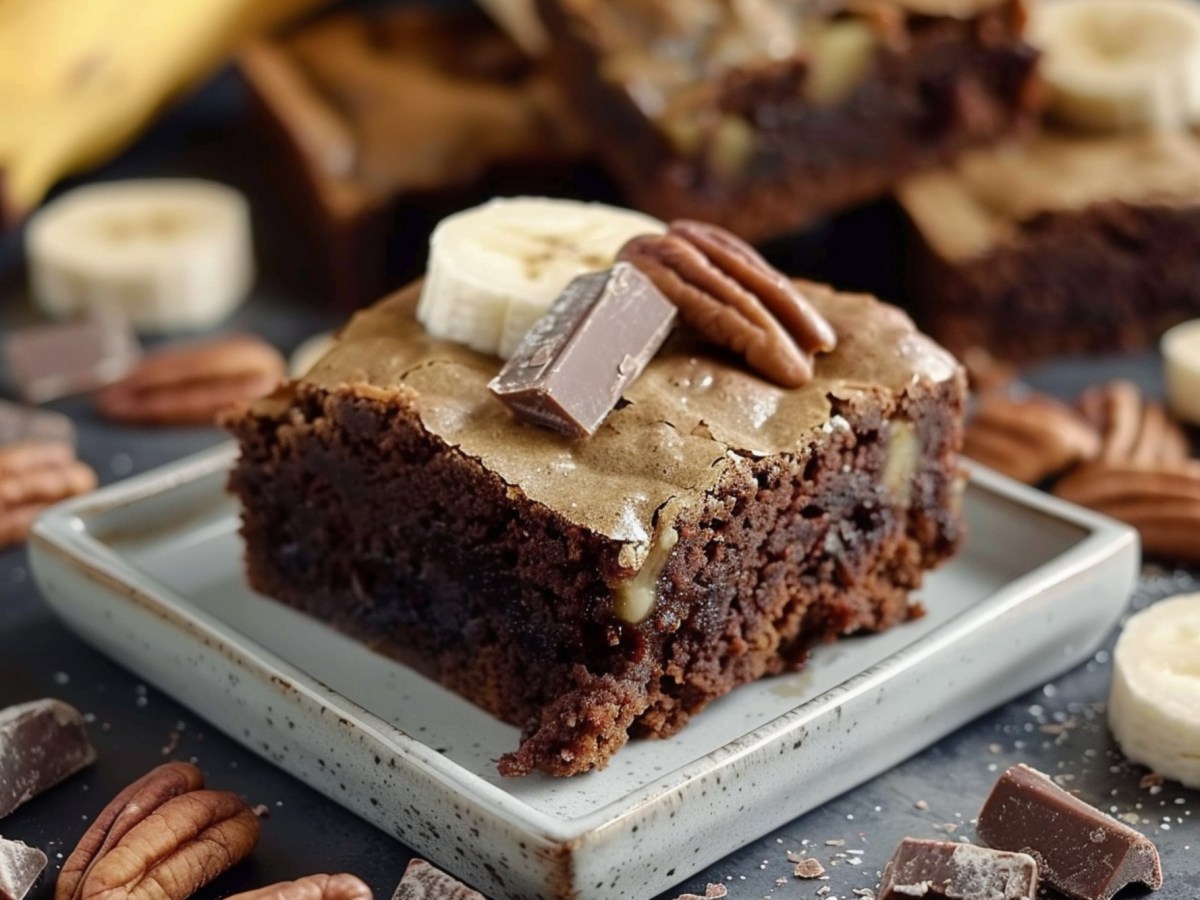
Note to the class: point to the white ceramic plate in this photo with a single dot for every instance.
(150, 572)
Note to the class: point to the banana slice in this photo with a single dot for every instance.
(172, 255)
(309, 353)
(1117, 64)
(496, 268)
(1152, 709)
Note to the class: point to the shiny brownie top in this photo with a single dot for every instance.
(693, 419)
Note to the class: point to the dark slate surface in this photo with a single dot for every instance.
(1059, 728)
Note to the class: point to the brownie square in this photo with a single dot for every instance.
(763, 117)
(1067, 243)
(388, 120)
(713, 530)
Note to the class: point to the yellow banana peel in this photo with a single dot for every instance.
(80, 78)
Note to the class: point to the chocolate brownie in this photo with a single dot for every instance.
(764, 116)
(711, 532)
(391, 119)
(1069, 243)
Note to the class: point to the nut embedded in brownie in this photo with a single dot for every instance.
(712, 530)
(762, 117)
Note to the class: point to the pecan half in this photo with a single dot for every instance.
(1162, 502)
(312, 887)
(191, 384)
(731, 295)
(1029, 439)
(33, 475)
(1132, 429)
(162, 838)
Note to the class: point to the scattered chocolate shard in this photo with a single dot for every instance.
(947, 870)
(423, 881)
(46, 362)
(20, 866)
(572, 366)
(21, 424)
(41, 743)
(1082, 852)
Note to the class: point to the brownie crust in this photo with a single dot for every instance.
(358, 512)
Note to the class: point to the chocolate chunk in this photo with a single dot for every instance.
(24, 423)
(572, 366)
(422, 881)
(1081, 851)
(41, 743)
(51, 361)
(20, 866)
(945, 870)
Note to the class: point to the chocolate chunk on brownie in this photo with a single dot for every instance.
(1073, 242)
(711, 532)
(762, 117)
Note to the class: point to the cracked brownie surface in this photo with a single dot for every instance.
(713, 530)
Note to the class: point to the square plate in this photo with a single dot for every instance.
(150, 572)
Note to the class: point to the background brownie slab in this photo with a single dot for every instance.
(763, 123)
(388, 493)
(1068, 243)
(391, 119)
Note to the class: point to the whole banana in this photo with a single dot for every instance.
(80, 78)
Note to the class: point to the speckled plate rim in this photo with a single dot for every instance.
(61, 537)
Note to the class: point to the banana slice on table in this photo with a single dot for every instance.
(1116, 64)
(1154, 707)
(495, 269)
(171, 254)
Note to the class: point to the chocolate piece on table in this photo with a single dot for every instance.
(1080, 850)
(571, 368)
(422, 881)
(41, 743)
(19, 424)
(20, 866)
(948, 870)
(51, 361)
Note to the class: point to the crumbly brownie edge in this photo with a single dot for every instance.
(959, 83)
(1108, 277)
(784, 555)
(797, 552)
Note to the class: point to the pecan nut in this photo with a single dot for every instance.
(731, 295)
(1132, 429)
(312, 887)
(33, 475)
(192, 384)
(1162, 502)
(1029, 439)
(162, 838)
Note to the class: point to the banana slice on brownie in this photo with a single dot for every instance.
(495, 269)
